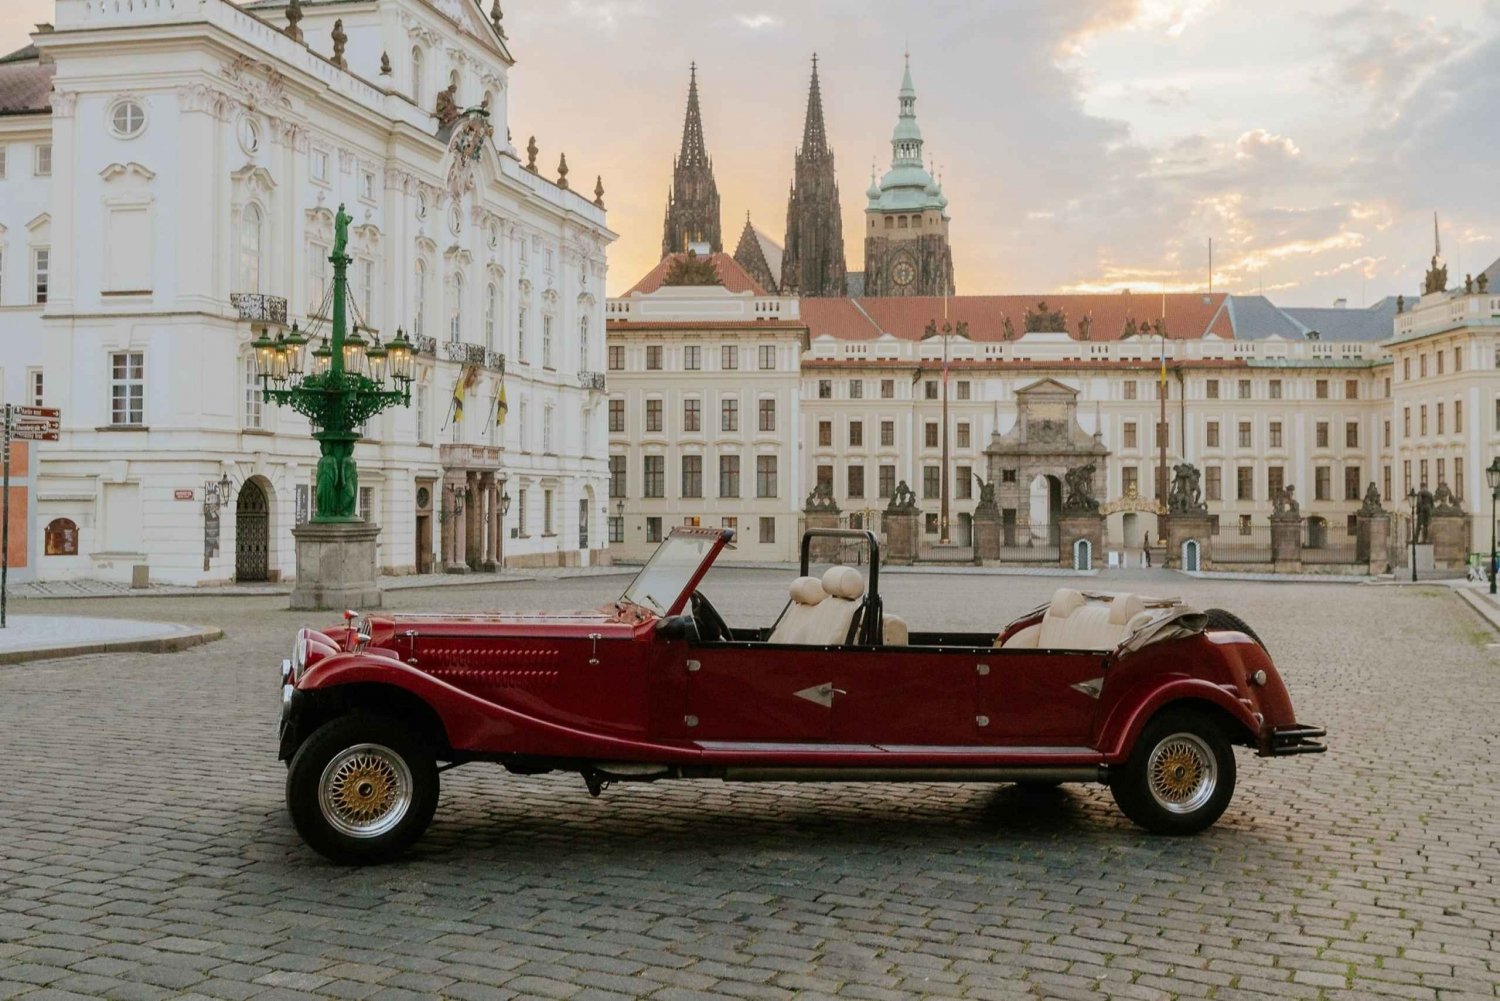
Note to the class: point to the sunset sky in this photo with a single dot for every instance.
(1084, 144)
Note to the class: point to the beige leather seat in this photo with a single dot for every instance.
(1073, 622)
(800, 618)
(893, 631)
(822, 611)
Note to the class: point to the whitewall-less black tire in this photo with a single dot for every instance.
(1180, 778)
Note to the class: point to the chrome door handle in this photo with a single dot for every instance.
(594, 653)
(836, 691)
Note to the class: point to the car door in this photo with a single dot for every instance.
(1039, 698)
(753, 692)
(906, 695)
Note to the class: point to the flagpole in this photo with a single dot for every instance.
(1161, 393)
(943, 538)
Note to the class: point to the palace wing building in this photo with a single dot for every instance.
(171, 176)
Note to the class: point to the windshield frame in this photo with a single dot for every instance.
(718, 538)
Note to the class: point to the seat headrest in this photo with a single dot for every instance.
(1065, 601)
(808, 591)
(1124, 608)
(844, 582)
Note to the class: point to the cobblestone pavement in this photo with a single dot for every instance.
(145, 851)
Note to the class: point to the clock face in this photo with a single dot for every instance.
(904, 273)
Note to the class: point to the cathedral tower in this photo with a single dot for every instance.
(693, 203)
(813, 264)
(906, 220)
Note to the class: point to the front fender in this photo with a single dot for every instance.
(1129, 714)
(478, 726)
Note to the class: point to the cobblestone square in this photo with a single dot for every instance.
(145, 851)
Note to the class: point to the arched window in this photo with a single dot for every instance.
(252, 239)
(416, 76)
(61, 537)
(490, 308)
(455, 307)
(583, 344)
(420, 309)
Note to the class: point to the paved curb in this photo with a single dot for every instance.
(150, 644)
(1486, 608)
(407, 583)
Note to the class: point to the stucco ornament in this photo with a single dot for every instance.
(466, 147)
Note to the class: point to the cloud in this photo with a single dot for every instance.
(1260, 144)
(757, 21)
(1367, 267)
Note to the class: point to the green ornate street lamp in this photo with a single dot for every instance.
(347, 386)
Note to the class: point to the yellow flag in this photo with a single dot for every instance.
(501, 407)
(458, 394)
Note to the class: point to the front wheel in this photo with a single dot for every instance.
(362, 789)
(1180, 778)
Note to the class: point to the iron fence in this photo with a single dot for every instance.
(1242, 544)
(1325, 541)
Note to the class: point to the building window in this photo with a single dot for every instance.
(1406, 366)
(825, 389)
(522, 335)
(617, 476)
(1275, 389)
(319, 161)
(1320, 389)
(252, 241)
(317, 269)
(422, 406)
(1458, 416)
(254, 415)
(1213, 389)
(767, 531)
(930, 524)
(1458, 478)
(730, 522)
(767, 415)
(1322, 482)
(1321, 434)
(729, 476)
(1244, 434)
(767, 357)
(930, 434)
(930, 389)
(1438, 356)
(653, 415)
(856, 482)
(1244, 483)
(546, 341)
(61, 538)
(1351, 483)
(1423, 411)
(1244, 388)
(41, 267)
(1351, 389)
(856, 434)
(654, 480)
(617, 416)
(963, 485)
(1129, 438)
(856, 389)
(1351, 434)
(1131, 389)
(932, 480)
(616, 356)
(1422, 365)
(888, 388)
(1385, 432)
(887, 484)
(455, 307)
(963, 434)
(127, 388)
(42, 162)
(653, 357)
(1406, 474)
(1385, 482)
(729, 357)
(1244, 524)
(963, 389)
(729, 414)
(490, 302)
(547, 430)
(692, 476)
(692, 416)
(1406, 420)
(825, 434)
(616, 530)
(692, 358)
(1440, 423)
(653, 529)
(888, 429)
(1130, 480)
(34, 386)
(1213, 483)
(1213, 434)
(1275, 480)
(765, 476)
(1275, 431)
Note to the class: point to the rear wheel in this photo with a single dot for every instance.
(1220, 619)
(1180, 778)
(362, 789)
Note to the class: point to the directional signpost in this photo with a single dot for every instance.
(27, 424)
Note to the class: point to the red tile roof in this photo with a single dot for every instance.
(730, 273)
(1189, 315)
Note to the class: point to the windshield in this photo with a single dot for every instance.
(665, 578)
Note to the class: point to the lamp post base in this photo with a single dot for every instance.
(335, 566)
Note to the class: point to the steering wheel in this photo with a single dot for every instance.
(711, 625)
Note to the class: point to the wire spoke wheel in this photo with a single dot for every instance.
(365, 791)
(1182, 773)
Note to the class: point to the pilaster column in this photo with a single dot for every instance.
(458, 535)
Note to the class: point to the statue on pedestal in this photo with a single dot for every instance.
(1423, 528)
(821, 500)
(446, 109)
(987, 504)
(1371, 507)
(1185, 495)
(902, 500)
(1284, 503)
(1080, 485)
(1446, 503)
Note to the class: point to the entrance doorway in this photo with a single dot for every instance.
(424, 526)
(252, 533)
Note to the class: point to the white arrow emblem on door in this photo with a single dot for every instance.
(821, 694)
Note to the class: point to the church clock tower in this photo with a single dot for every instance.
(906, 220)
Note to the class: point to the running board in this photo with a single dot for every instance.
(1090, 773)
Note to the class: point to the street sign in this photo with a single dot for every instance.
(182, 495)
(35, 423)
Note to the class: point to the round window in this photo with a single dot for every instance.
(424, 498)
(127, 119)
(249, 135)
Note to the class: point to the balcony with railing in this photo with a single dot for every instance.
(592, 381)
(257, 307)
(465, 353)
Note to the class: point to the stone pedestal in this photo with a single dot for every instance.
(987, 535)
(1071, 528)
(335, 566)
(901, 536)
(1450, 540)
(1372, 542)
(1286, 543)
(1179, 529)
(1424, 557)
(823, 550)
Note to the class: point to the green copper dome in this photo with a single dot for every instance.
(907, 186)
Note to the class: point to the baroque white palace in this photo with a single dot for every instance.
(728, 405)
(169, 170)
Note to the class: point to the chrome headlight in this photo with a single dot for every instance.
(286, 670)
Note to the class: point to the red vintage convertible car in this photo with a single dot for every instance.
(1144, 695)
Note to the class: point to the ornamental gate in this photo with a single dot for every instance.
(252, 533)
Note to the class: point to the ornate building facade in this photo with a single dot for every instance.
(169, 192)
(692, 217)
(906, 219)
(813, 264)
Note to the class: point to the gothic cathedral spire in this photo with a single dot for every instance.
(693, 204)
(813, 264)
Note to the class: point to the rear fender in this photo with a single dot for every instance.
(1128, 716)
